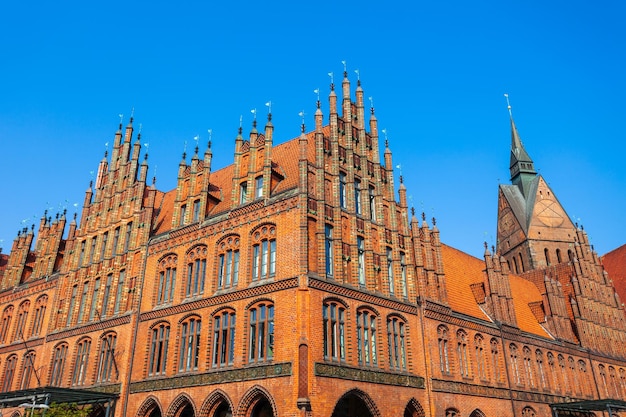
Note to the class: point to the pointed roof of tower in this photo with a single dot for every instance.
(521, 166)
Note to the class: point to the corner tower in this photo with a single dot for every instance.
(534, 231)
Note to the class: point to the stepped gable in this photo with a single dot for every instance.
(615, 264)
(463, 271)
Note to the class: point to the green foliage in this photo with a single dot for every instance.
(64, 410)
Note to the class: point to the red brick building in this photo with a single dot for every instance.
(293, 282)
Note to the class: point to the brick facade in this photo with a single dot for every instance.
(293, 282)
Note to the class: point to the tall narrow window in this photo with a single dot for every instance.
(390, 269)
(481, 362)
(22, 316)
(541, 370)
(334, 322)
(94, 299)
(196, 211)
(196, 271)
(116, 241)
(81, 255)
(396, 344)
(228, 262)
(157, 363)
(360, 244)
(553, 372)
(70, 310)
(103, 249)
(495, 360)
(28, 369)
(106, 359)
(40, 312)
(80, 365)
(189, 345)
(358, 206)
(264, 253)
(403, 273)
(261, 333)
(546, 253)
(119, 294)
(224, 339)
(9, 373)
(366, 337)
(528, 367)
(167, 279)
(342, 190)
(514, 364)
(258, 187)
(461, 353)
(107, 296)
(559, 259)
(243, 192)
(58, 365)
(372, 201)
(129, 230)
(563, 372)
(442, 340)
(83, 301)
(328, 244)
(521, 263)
(92, 251)
(183, 213)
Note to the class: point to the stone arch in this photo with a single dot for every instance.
(182, 406)
(149, 405)
(255, 397)
(214, 402)
(16, 414)
(355, 403)
(414, 409)
(477, 413)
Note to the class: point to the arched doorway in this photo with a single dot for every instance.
(354, 403)
(156, 412)
(187, 411)
(262, 408)
(414, 409)
(223, 410)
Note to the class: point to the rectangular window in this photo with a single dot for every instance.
(372, 201)
(224, 340)
(107, 296)
(119, 295)
(333, 316)
(243, 191)
(261, 333)
(395, 341)
(129, 229)
(106, 361)
(40, 312)
(167, 281)
(80, 366)
(329, 250)
(358, 208)
(183, 213)
(103, 249)
(190, 346)
(81, 256)
(360, 243)
(29, 367)
(342, 190)
(116, 241)
(196, 211)
(83, 301)
(9, 372)
(158, 350)
(390, 269)
(94, 300)
(58, 366)
(196, 271)
(70, 310)
(258, 188)
(92, 251)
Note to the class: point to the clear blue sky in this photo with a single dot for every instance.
(437, 72)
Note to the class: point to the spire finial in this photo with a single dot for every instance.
(358, 75)
(317, 93)
(301, 114)
(434, 221)
(508, 105)
(345, 69)
(423, 216)
(121, 119)
(253, 111)
(196, 138)
(371, 104)
(386, 140)
(269, 107)
(140, 127)
(210, 137)
(412, 211)
(332, 79)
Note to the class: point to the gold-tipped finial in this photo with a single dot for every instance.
(508, 104)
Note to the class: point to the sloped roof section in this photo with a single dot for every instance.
(615, 264)
(463, 271)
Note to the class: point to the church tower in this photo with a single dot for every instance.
(534, 231)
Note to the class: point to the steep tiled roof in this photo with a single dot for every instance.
(615, 264)
(463, 270)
